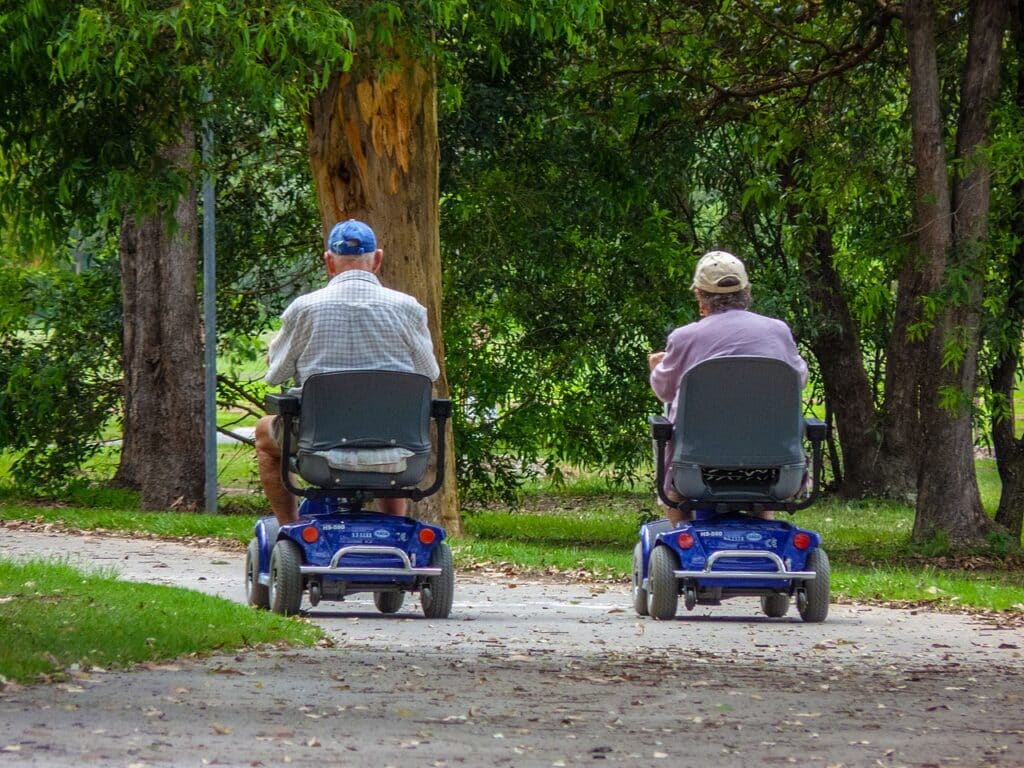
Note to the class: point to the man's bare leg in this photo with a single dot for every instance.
(676, 516)
(399, 507)
(268, 458)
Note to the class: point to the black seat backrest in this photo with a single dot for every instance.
(739, 413)
(356, 414)
(366, 409)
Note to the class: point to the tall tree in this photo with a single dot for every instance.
(374, 154)
(951, 223)
(162, 349)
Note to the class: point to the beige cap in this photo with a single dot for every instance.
(720, 272)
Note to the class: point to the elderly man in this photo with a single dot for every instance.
(726, 327)
(353, 323)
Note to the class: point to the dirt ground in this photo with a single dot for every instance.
(531, 674)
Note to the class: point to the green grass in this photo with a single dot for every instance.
(928, 584)
(58, 619)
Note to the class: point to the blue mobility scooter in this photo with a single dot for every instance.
(355, 436)
(738, 452)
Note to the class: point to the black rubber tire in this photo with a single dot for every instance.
(663, 586)
(775, 605)
(437, 593)
(388, 602)
(255, 593)
(639, 593)
(815, 607)
(285, 578)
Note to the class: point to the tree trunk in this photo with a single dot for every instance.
(948, 501)
(847, 389)
(921, 274)
(1009, 449)
(374, 156)
(163, 437)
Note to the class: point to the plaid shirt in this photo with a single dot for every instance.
(353, 323)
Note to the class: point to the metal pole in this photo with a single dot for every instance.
(210, 318)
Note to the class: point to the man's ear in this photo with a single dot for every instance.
(329, 263)
(378, 256)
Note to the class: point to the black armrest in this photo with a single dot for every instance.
(283, 404)
(661, 428)
(441, 408)
(815, 429)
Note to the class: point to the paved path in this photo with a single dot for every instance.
(527, 673)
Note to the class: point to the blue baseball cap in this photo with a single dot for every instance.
(351, 238)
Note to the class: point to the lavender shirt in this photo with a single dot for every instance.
(733, 332)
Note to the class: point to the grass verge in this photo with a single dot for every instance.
(57, 618)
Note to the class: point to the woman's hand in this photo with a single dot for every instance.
(653, 359)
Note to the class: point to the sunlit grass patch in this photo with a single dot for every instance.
(948, 589)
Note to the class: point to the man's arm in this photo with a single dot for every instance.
(795, 359)
(422, 346)
(283, 352)
(667, 370)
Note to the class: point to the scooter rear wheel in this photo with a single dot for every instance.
(437, 593)
(663, 587)
(814, 605)
(285, 578)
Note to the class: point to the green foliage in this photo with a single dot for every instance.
(581, 183)
(59, 378)
(96, 91)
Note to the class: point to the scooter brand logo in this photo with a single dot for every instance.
(382, 533)
(753, 536)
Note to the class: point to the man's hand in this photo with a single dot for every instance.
(653, 359)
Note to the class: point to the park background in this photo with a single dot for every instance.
(542, 175)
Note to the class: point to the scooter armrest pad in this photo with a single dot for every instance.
(661, 428)
(283, 404)
(815, 429)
